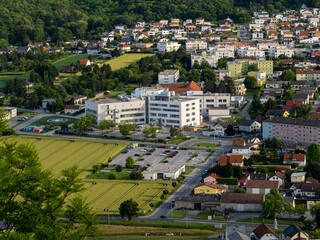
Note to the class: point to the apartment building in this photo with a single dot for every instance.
(168, 46)
(235, 69)
(246, 51)
(222, 51)
(240, 88)
(211, 59)
(213, 100)
(240, 66)
(221, 74)
(173, 111)
(196, 44)
(292, 130)
(120, 110)
(168, 76)
(260, 76)
(276, 51)
(265, 66)
(307, 75)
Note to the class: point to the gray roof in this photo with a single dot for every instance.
(291, 231)
(295, 121)
(247, 122)
(213, 198)
(238, 236)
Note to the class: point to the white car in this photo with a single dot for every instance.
(162, 154)
(143, 150)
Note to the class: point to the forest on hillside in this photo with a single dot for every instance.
(24, 21)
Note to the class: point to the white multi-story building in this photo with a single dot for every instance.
(168, 76)
(173, 111)
(211, 59)
(276, 51)
(125, 110)
(163, 171)
(266, 46)
(257, 35)
(213, 100)
(221, 52)
(196, 44)
(168, 46)
(147, 92)
(250, 52)
(221, 74)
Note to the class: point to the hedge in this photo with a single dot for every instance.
(227, 181)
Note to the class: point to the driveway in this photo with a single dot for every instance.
(244, 111)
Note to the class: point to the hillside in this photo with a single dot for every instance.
(22, 21)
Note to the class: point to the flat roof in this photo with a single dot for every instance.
(298, 174)
(113, 100)
(163, 167)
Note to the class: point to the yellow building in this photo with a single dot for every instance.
(235, 69)
(311, 203)
(209, 189)
(245, 65)
(260, 76)
(265, 66)
(298, 177)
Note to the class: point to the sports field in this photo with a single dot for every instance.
(126, 59)
(58, 153)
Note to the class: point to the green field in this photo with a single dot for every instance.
(4, 78)
(126, 59)
(59, 153)
(64, 62)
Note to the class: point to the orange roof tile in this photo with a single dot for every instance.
(238, 142)
(263, 229)
(181, 87)
(299, 157)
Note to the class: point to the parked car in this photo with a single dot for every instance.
(163, 216)
(137, 155)
(149, 153)
(141, 159)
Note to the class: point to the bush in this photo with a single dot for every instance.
(165, 192)
(174, 184)
(135, 175)
(228, 181)
(151, 205)
(119, 168)
(8, 131)
(111, 176)
(162, 196)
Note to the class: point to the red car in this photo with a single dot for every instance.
(137, 155)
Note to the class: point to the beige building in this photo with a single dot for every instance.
(240, 88)
(298, 177)
(242, 202)
(261, 186)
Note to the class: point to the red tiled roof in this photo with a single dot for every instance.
(308, 72)
(318, 109)
(262, 184)
(303, 33)
(232, 159)
(243, 179)
(299, 157)
(238, 142)
(263, 229)
(72, 107)
(83, 62)
(214, 175)
(279, 175)
(181, 87)
(1, 94)
(294, 102)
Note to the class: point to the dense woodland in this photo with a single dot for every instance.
(25, 21)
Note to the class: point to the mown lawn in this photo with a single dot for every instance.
(4, 78)
(125, 60)
(178, 214)
(267, 221)
(72, 59)
(42, 121)
(238, 119)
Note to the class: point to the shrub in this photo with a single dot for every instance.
(119, 168)
(111, 176)
(228, 181)
(174, 184)
(151, 205)
(165, 192)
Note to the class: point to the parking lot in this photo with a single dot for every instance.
(146, 156)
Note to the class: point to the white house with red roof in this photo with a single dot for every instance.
(212, 178)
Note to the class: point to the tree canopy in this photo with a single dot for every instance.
(33, 200)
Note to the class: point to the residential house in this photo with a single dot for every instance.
(238, 142)
(11, 112)
(298, 177)
(209, 189)
(252, 141)
(236, 233)
(261, 186)
(47, 101)
(199, 202)
(308, 75)
(225, 128)
(71, 108)
(212, 178)
(264, 232)
(292, 232)
(168, 46)
(28, 84)
(259, 176)
(168, 76)
(79, 99)
(85, 62)
(242, 202)
(298, 158)
(236, 160)
(240, 88)
(221, 74)
(242, 182)
(124, 47)
(250, 126)
(278, 176)
(277, 113)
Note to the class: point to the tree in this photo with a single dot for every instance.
(239, 190)
(313, 153)
(174, 184)
(84, 123)
(4, 122)
(125, 128)
(253, 67)
(272, 204)
(175, 132)
(222, 63)
(237, 172)
(288, 75)
(301, 111)
(119, 168)
(135, 175)
(129, 162)
(152, 130)
(129, 208)
(300, 210)
(33, 200)
(228, 170)
(106, 124)
(274, 143)
(250, 82)
(288, 208)
(315, 212)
